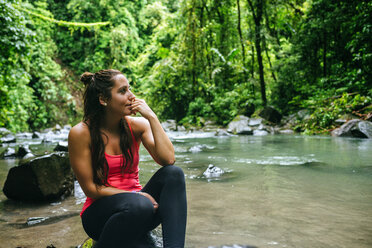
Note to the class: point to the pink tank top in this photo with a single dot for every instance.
(128, 180)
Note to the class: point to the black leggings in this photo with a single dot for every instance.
(123, 220)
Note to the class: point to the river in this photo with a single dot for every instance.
(277, 191)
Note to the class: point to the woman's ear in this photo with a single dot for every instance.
(102, 100)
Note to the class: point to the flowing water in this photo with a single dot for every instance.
(277, 191)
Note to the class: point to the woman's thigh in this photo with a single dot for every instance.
(96, 215)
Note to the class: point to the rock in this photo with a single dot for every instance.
(210, 126)
(181, 128)
(239, 125)
(47, 130)
(61, 147)
(260, 132)
(23, 150)
(9, 138)
(24, 135)
(263, 127)
(48, 137)
(213, 171)
(36, 135)
(4, 131)
(57, 127)
(248, 109)
(42, 178)
(67, 127)
(354, 128)
(169, 125)
(286, 131)
(271, 114)
(245, 130)
(366, 128)
(9, 152)
(255, 122)
(303, 114)
(345, 129)
(28, 155)
(221, 132)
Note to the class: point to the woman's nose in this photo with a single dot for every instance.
(131, 96)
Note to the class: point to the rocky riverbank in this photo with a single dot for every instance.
(269, 121)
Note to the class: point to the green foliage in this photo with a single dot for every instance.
(326, 112)
(15, 95)
(331, 54)
(32, 93)
(192, 60)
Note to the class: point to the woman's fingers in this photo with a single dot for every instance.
(154, 203)
(140, 106)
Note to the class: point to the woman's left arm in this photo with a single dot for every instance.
(153, 135)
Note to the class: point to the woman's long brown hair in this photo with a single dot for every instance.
(96, 85)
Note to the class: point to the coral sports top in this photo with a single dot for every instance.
(126, 181)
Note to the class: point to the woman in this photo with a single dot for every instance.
(103, 151)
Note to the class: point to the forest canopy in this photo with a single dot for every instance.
(192, 60)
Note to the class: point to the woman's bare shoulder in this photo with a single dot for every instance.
(80, 131)
(138, 124)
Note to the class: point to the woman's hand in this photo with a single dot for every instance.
(154, 203)
(140, 106)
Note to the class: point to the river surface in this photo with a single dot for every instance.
(277, 191)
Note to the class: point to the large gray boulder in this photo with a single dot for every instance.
(47, 177)
(354, 128)
(240, 125)
(271, 114)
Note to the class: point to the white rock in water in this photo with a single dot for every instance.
(260, 132)
(213, 171)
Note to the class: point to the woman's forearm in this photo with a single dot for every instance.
(96, 192)
(164, 149)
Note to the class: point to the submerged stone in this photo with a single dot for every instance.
(62, 146)
(42, 178)
(213, 171)
(23, 150)
(9, 152)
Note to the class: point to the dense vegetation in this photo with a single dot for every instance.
(192, 60)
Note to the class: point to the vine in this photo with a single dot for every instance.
(62, 23)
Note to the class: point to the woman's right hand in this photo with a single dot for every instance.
(148, 196)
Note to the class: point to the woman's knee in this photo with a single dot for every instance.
(174, 173)
(141, 208)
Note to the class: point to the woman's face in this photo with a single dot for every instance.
(121, 97)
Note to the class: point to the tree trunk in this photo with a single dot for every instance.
(257, 16)
(240, 32)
